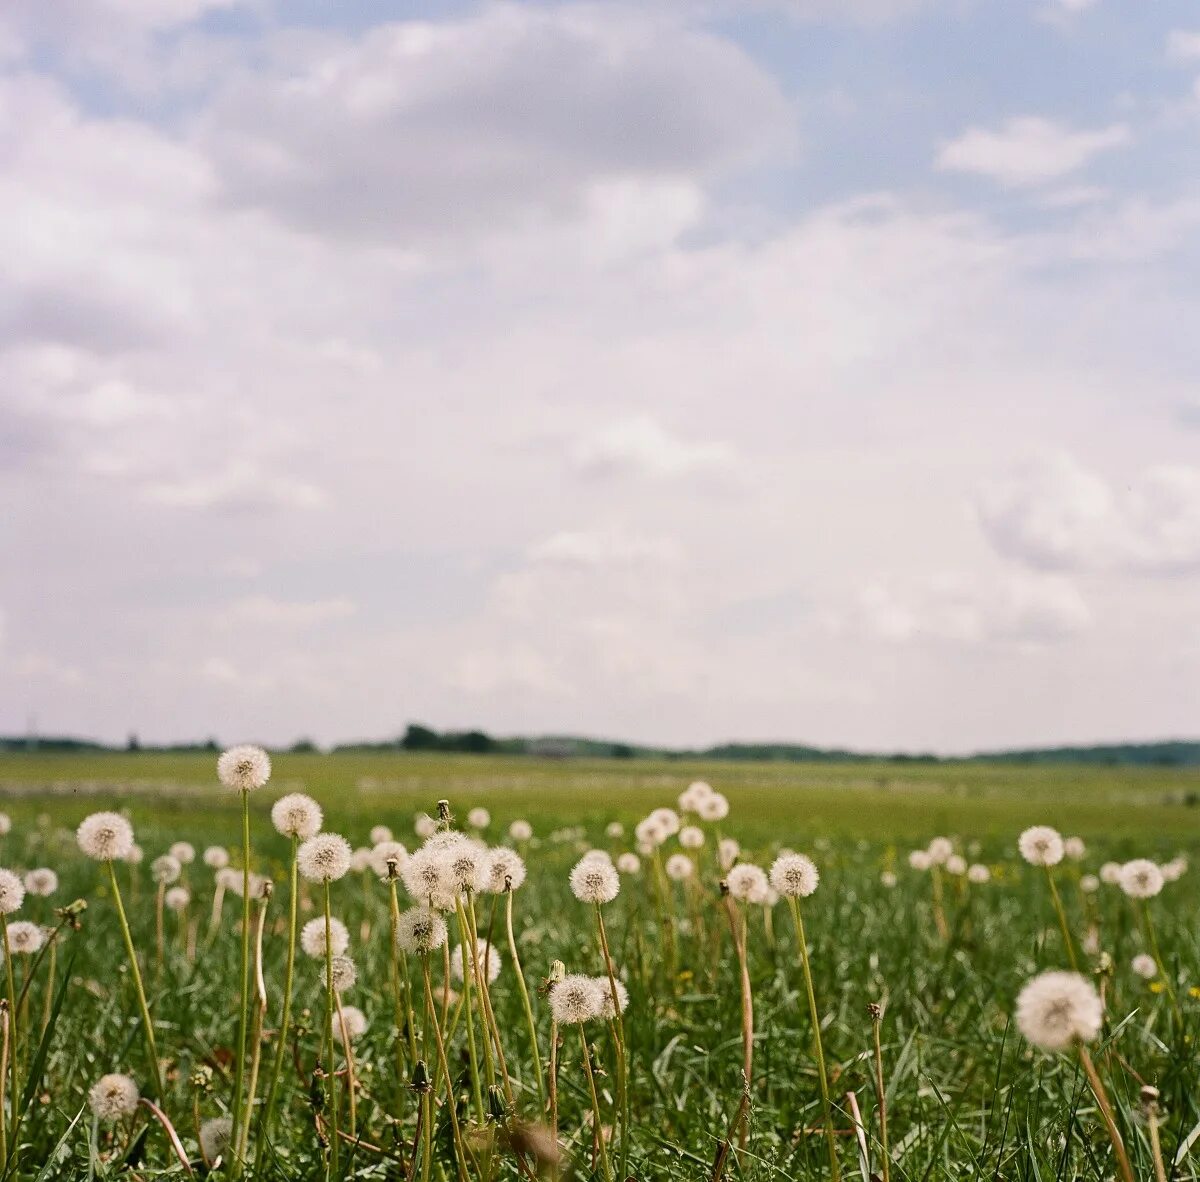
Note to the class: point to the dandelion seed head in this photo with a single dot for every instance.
(1110, 873)
(1041, 846)
(297, 815)
(888, 878)
(667, 820)
(1175, 869)
(1144, 966)
(5, 824)
(1055, 1010)
(324, 858)
(1141, 879)
(713, 808)
(692, 795)
(940, 849)
(345, 974)
(385, 852)
(691, 837)
(465, 866)
(380, 834)
(748, 882)
(605, 987)
(354, 1022)
(215, 1137)
(594, 880)
(649, 833)
(575, 999)
(42, 881)
(424, 826)
(216, 857)
(794, 876)
(978, 873)
(1074, 848)
(520, 830)
(503, 869)
(489, 961)
(165, 869)
(614, 829)
(420, 930)
(177, 898)
(920, 860)
(956, 864)
(312, 937)
(25, 937)
(628, 863)
(360, 859)
(679, 867)
(728, 851)
(426, 874)
(107, 837)
(12, 892)
(479, 818)
(113, 1097)
(244, 768)
(135, 855)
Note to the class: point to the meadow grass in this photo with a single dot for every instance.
(967, 1096)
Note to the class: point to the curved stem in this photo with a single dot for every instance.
(1062, 920)
(524, 992)
(329, 1010)
(605, 1168)
(1106, 1112)
(244, 1007)
(618, 1024)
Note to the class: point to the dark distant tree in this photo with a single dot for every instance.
(419, 738)
(475, 743)
(622, 751)
(304, 747)
(211, 745)
(132, 744)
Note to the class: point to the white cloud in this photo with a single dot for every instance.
(237, 486)
(1183, 44)
(267, 612)
(507, 117)
(601, 548)
(639, 444)
(1055, 514)
(1028, 150)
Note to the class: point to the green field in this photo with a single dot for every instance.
(967, 1096)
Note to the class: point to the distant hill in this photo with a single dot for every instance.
(1168, 753)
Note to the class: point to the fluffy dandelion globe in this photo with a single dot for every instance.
(324, 858)
(5, 824)
(605, 986)
(597, 856)
(650, 833)
(576, 999)
(794, 876)
(215, 1137)
(713, 808)
(177, 898)
(312, 937)
(420, 930)
(1074, 848)
(1056, 1010)
(426, 875)
(297, 815)
(667, 820)
(216, 857)
(1174, 870)
(748, 882)
(1141, 879)
(691, 837)
(107, 837)
(424, 826)
(380, 834)
(1041, 846)
(520, 831)
(12, 892)
(113, 1097)
(594, 880)
(888, 878)
(244, 768)
(25, 937)
(360, 859)
(692, 796)
(956, 864)
(614, 829)
(165, 869)
(344, 973)
(920, 860)
(479, 818)
(42, 881)
(679, 867)
(135, 855)
(728, 851)
(1089, 884)
(503, 870)
(183, 852)
(978, 873)
(1110, 874)
(1144, 966)
(940, 849)
(350, 1022)
(385, 852)
(628, 863)
(489, 961)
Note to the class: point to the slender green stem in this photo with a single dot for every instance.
(136, 973)
(605, 1168)
(476, 1088)
(881, 1099)
(1152, 939)
(285, 1016)
(1062, 919)
(1106, 1112)
(12, 1027)
(256, 1028)
(818, 1049)
(618, 1023)
(335, 1151)
(239, 1073)
(459, 1152)
(524, 992)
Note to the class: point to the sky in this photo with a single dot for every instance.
(675, 371)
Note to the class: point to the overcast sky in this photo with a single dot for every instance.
(811, 369)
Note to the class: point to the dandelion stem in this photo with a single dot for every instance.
(1106, 1112)
(818, 1049)
(244, 1007)
(5, 1026)
(459, 1157)
(1152, 940)
(524, 992)
(12, 1031)
(476, 1087)
(1062, 919)
(881, 1094)
(329, 1007)
(739, 948)
(618, 1024)
(256, 1031)
(605, 1168)
(136, 972)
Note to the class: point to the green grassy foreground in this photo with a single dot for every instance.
(967, 1097)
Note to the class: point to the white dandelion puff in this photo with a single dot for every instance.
(520, 830)
(350, 1022)
(42, 881)
(728, 851)
(177, 898)
(1110, 873)
(605, 987)
(691, 797)
(1175, 869)
(888, 878)
(489, 961)
(107, 837)
(12, 892)
(344, 972)
(628, 863)
(380, 834)
(479, 818)
(135, 855)
(244, 768)
(216, 857)
(426, 875)
(215, 1137)
(956, 864)
(920, 860)
(1144, 966)
(424, 826)
(1074, 848)
(1056, 1010)
(324, 858)
(978, 873)
(297, 815)
(1141, 879)
(576, 999)
(595, 881)
(748, 882)
(165, 869)
(312, 937)
(691, 837)
(940, 849)
(5, 824)
(614, 829)
(25, 937)
(113, 1097)
(713, 808)
(679, 867)
(421, 930)
(794, 876)
(1041, 846)
(503, 870)
(667, 820)
(385, 852)
(360, 859)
